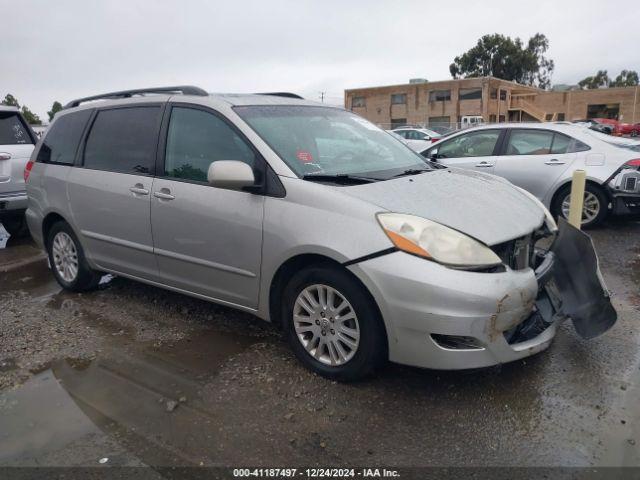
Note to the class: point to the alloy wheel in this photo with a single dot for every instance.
(65, 256)
(326, 325)
(590, 208)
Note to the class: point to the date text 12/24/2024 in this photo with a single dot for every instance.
(315, 473)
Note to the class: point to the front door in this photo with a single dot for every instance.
(110, 194)
(533, 159)
(207, 240)
(474, 150)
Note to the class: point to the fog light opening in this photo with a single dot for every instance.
(456, 342)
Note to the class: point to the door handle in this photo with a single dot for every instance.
(139, 189)
(484, 164)
(5, 156)
(554, 161)
(163, 194)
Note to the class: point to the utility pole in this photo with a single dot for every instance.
(322, 96)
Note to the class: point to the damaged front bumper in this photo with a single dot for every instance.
(448, 319)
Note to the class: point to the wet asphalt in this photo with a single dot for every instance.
(135, 375)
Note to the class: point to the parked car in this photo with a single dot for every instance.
(541, 158)
(442, 129)
(353, 245)
(595, 125)
(16, 145)
(619, 128)
(417, 138)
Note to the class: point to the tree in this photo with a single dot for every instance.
(627, 78)
(10, 101)
(30, 117)
(599, 80)
(55, 108)
(506, 58)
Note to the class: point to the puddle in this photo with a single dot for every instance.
(34, 278)
(147, 398)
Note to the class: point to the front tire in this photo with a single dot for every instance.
(595, 208)
(67, 260)
(332, 324)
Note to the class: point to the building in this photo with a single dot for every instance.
(495, 100)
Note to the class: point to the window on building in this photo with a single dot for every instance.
(123, 140)
(399, 99)
(494, 94)
(548, 117)
(560, 117)
(611, 110)
(61, 143)
(359, 102)
(398, 122)
(470, 93)
(503, 94)
(501, 119)
(439, 95)
(492, 119)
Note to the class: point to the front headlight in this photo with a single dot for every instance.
(548, 218)
(422, 237)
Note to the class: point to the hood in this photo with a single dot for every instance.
(485, 207)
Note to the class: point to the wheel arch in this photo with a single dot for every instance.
(567, 183)
(306, 260)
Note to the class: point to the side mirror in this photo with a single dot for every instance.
(433, 156)
(230, 174)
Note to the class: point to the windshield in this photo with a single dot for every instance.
(328, 141)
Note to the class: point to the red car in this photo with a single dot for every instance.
(619, 128)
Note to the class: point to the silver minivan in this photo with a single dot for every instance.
(313, 218)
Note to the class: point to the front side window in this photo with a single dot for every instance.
(474, 144)
(197, 138)
(123, 140)
(399, 99)
(321, 140)
(529, 142)
(12, 130)
(61, 142)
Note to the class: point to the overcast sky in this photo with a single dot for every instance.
(61, 49)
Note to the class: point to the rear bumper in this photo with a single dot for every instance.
(13, 203)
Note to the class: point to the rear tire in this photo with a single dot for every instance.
(596, 207)
(15, 225)
(67, 260)
(350, 341)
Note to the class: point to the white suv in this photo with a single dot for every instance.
(16, 145)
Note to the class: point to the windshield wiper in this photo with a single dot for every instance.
(340, 178)
(413, 171)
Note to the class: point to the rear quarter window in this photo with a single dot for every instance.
(124, 140)
(13, 131)
(61, 142)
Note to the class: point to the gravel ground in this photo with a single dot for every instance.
(139, 375)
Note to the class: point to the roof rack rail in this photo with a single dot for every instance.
(281, 94)
(184, 89)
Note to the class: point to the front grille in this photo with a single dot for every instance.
(517, 254)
